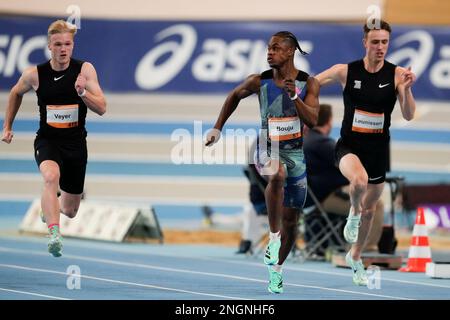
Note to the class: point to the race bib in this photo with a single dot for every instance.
(64, 116)
(368, 122)
(281, 129)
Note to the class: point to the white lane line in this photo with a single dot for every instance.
(285, 267)
(137, 251)
(33, 294)
(220, 275)
(11, 266)
(325, 272)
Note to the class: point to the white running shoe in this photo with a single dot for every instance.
(351, 228)
(359, 274)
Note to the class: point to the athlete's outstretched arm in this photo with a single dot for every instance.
(27, 81)
(405, 79)
(87, 85)
(335, 74)
(249, 86)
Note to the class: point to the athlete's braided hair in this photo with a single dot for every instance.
(291, 38)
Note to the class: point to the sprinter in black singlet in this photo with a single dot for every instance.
(65, 89)
(371, 88)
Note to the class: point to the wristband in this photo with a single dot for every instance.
(83, 93)
(294, 97)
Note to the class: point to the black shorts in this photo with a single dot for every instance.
(71, 157)
(374, 158)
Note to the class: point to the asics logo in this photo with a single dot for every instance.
(180, 53)
(56, 79)
(383, 85)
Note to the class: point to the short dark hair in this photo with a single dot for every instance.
(291, 38)
(325, 114)
(376, 24)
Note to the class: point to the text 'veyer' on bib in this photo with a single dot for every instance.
(281, 129)
(63, 116)
(368, 122)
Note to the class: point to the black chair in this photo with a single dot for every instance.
(321, 230)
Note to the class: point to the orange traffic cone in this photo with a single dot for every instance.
(419, 251)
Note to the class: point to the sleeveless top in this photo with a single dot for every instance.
(369, 99)
(62, 111)
(278, 113)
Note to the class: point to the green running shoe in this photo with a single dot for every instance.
(351, 228)
(271, 253)
(275, 281)
(55, 243)
(359, 274)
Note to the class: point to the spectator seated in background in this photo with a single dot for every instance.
(326, 181)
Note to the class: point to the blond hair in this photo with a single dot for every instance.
(61, 26)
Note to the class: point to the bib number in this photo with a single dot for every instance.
(64, 116)
(281, 129)
(368, 122)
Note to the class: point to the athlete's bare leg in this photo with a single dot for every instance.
(274, 194)
(49, 200)
(369, 203)
(289, 232)
(352, 168)
(70, 203)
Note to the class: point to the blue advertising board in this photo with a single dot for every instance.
(213, 57)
